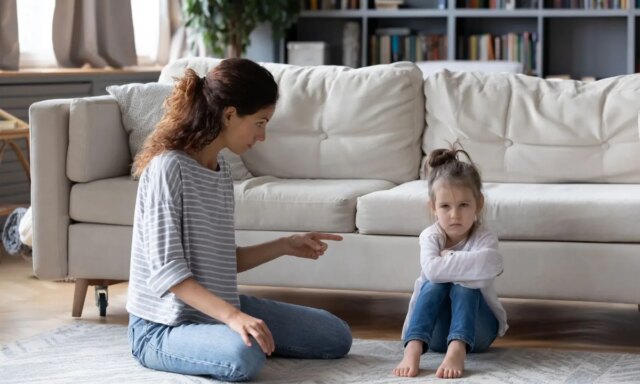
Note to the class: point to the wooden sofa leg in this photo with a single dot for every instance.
(78, 297)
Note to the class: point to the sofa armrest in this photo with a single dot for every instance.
(50, 187)
(98, 143)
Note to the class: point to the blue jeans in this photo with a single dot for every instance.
(218, 351)
(445, 312)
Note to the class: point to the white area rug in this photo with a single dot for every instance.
(97, 353)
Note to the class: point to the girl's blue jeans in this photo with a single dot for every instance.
(445, 311)
(216, 350)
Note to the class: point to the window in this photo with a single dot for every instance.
(146, 29)
(35, 18)
(35, 21)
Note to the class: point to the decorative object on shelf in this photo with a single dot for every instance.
(308, 53)
(225, 25)
(351, 44)
(388, 4)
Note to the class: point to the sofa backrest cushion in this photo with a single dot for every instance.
(97, 142)
(519, 128)
(142, 107)
(335, 122)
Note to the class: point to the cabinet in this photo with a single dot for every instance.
(20, 89)
(597, 38)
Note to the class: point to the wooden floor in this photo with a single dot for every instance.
(29, 306)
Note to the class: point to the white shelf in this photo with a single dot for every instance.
(585, 13)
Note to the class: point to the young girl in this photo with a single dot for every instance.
(454, 307)
(186, 315)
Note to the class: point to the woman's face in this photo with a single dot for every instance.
(241, 133)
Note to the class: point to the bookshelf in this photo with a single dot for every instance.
(594, 38)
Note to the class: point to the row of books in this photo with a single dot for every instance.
(316, 5)
(499, 4)
(591, 4)
(388, 48)
(522, 47)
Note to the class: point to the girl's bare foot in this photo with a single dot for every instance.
(410, 364)
(452, 366)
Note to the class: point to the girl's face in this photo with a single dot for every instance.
(456, 208)
(241, 133)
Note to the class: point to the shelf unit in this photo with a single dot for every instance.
(575, 42)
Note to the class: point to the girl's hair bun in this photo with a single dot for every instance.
(441, 156)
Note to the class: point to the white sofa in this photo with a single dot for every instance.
(344, 150)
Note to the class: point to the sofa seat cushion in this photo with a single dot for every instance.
(107, 201)
(270, 203)
(262, 203)
(402, 210)
(543, 212)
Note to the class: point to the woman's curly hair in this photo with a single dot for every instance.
(194, 111)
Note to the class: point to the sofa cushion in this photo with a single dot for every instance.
(97, 142)
(142, 107)
(269, 203)
(542, 212)
(402, 210)
(521, 128)
(262, 203)
(107, 201)
(337, 122)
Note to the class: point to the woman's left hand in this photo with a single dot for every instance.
(309, 245)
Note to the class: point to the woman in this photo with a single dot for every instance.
(186, 315)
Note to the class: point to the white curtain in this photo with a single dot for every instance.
(173, 34)
(9, 46)
(97, 33)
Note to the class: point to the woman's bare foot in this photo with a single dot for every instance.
(410, 364)
(452, 366)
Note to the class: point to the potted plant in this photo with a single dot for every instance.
(225, 25)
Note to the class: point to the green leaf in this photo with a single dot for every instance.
(224, 23)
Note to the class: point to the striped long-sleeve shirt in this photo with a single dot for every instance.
(183, 227)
